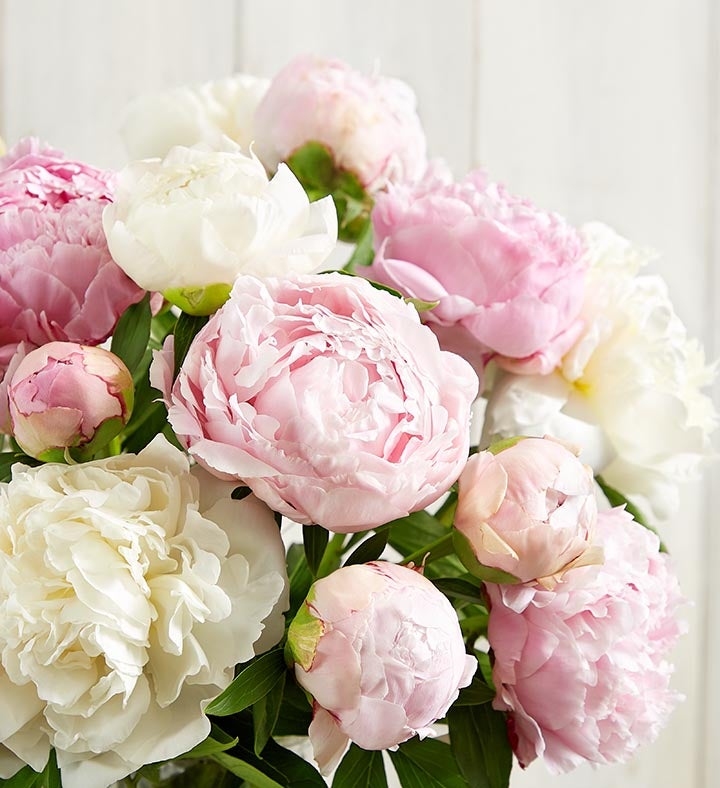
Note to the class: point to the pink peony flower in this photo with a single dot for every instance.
(65, 395)
(369, 123)
(380, 650)
(57, 279)
(324, 395)
(529, 510)
(509, 277)
(583, 670)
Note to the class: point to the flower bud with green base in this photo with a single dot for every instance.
(68, 398)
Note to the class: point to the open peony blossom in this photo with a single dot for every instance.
(528, 510)
(191, 223)
(327, 397)
(368, 123)
(509, 278)
(57, 279)
(65, 395)
(192, 114)
(380, 651)
(629, 390)
(123, 610)
(583, 670)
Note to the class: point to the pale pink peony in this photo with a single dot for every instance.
(57, 279)
(380, 650)
(324, 395)
(509, 277)
(369, 123)
(529, 510)
(65, 395)
(583, 670)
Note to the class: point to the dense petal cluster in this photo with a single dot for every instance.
(583, 669)
(508, 277)
(124, 609)
(57, 279)
(199, 218)
(193, 114)
(629, 390)
(369, 123)
(324, 395)
(380, 650)
(529, 510)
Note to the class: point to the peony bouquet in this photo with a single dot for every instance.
(271, 504)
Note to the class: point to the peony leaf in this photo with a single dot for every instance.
(186, 328)
(25, 778)
(245, 771)
(477, 693)
(217, 741)
(369, 550)
(265, 714)
(360, 769)
(252, 683)
(467, 590)
(9, 458)
(426, 764)
(132, 333)
(364, 253)
(50, 775)
(479, 741)
(315, 540)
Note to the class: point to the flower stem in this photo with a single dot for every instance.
(429, 552)
(331, 557)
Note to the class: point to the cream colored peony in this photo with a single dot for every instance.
(189, 114)
(123, 610)
(189, 224)
(629, 391)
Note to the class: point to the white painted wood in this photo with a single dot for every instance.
(426, 43)
(71, 67)
(599, 110)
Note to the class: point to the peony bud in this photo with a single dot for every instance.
(68, 396)
(528, 510)
(379, 649)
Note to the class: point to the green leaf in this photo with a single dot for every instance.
(483, 659)
(412, 533)
(616, 498)
(265, 714)
(246, 771)
(315, 540)
(132, 333)
(426, 764)
(369, 550)
(363, 254)
(217, 741)
(296, 711)
(240, 492)
(186, 328)
(25, 778)
(458, 588)
(478, 692)
(360, 769)
(479, 741)
(50, 775)
(253, 683)
(298, 773)
(300, 577)
(9, 458)
(314, 167)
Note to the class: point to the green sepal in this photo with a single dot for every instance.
(199, 301)
(303, 636)
(487, 574)
(506, 443)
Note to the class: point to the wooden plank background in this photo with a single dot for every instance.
(607, 110)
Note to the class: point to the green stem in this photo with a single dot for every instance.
(446, 512)
(432, 550)
(331, 557)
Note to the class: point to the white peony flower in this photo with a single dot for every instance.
(190, 114)
(629, 391)
(123, 610)
(190, 224)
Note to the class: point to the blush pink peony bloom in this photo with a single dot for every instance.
(57, 279)
(327, 397)
(529, 510)
(380, 650)
(509, 277)
(65, 395)
(369, 123)
(583, 670)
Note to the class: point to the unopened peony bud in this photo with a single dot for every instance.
(68, 396)
(528, 510)
(380, 650)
